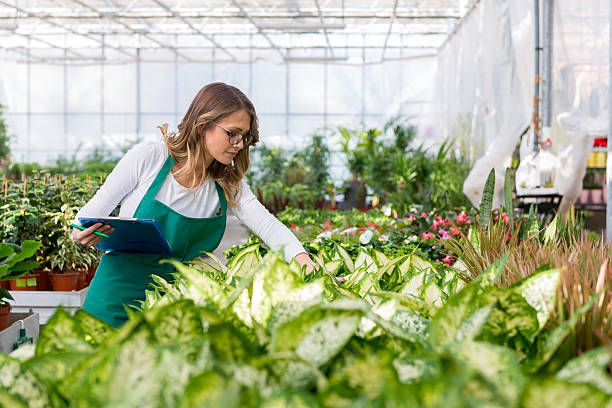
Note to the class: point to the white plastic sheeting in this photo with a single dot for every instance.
(486, 79)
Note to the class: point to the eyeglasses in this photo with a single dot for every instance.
(235, 138)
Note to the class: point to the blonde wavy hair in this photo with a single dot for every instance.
(212, 103)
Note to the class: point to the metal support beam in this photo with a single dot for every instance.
(609, 161)
(245, 15)
(63, 27)
(382, 56)
(331, 50)
(547, 65)
(146, 35)
(191, 26)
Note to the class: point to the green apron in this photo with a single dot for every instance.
(121, 278)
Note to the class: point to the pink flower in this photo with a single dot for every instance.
(411, 218)
(427, 235)
(424, 215)
(448, 260)
(445, 233)
(454, 231)
(462, 218)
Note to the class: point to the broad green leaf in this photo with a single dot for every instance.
(62, 333)
(290, 399)
(511, 323)
(348, 262)
(54, 368)
(472, 326)
(486, 204)
(22, 385)
(492, 273)
(96, 330)
(271, 284)
(497, 365)
(551, 393)
(412, 368)
(589, 368)
(556, 337)
(295, 302)
(316, 335)
(211, 390)
(540, 291)
(433, 294)
(177, 324)
(445, 325)
(203, 290)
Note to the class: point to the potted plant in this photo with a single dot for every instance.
(5, 308)
(14, 262)
(68, 260)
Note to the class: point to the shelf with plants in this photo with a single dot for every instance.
(41, 208)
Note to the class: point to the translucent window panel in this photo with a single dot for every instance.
(84, 88)
(343, 89)
(17, 130)
(149, 123)
(301, 128)
(306, 88)
(83, 132)
(47, 133)
(382, 86)
(269, 87)
(14, 79)
(46, 88)
(191, 78)
(418, 78)
(272, 129)
(347, 121)
(157, 87)
(234, 74)
(119, 131)
(120, 88)
(373, 121)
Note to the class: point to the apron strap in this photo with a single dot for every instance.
(222, 199)
(160, 178)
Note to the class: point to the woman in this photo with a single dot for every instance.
(185, 184)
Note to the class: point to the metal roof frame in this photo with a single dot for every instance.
(284, 25)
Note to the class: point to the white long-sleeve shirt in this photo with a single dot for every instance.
(134, 174)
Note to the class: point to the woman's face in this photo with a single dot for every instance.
(217, 139)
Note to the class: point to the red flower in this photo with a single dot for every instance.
(427, 235)
(293, 226)
(448, 260)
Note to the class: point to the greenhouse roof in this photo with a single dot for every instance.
(229, 31)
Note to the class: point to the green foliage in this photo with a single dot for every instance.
(254, 333)
(41, 208)
(5, 148)
(486, 204)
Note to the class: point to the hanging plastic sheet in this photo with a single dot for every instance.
(481, 92)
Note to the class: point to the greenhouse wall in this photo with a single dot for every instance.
(63, 109)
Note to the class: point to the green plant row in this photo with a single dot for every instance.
(257, 332)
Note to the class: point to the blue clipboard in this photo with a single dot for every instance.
(131, 235)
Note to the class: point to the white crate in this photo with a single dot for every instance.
(10, 335)
(45, 302)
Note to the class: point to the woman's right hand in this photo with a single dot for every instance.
(87, 236)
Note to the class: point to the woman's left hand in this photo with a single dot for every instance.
(304, 260)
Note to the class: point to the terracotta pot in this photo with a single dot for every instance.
(6, 284)
(44, 283)
(91, 272)
(64, 282)
(26, 282)
(4, 317)
(82, 281)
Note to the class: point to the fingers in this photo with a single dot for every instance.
(87, 236)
